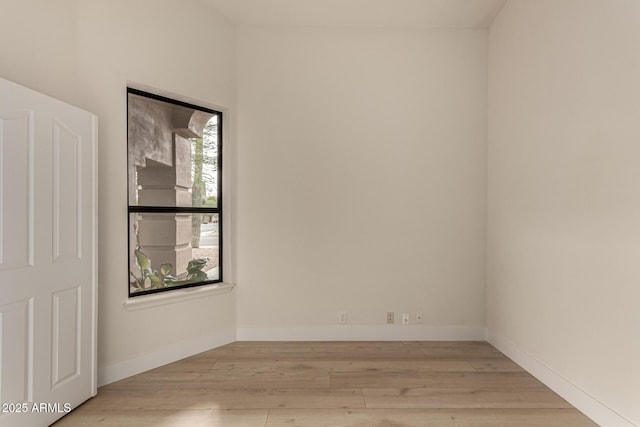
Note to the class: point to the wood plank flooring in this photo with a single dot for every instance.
(313, 384)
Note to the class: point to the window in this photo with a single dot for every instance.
(175, 194)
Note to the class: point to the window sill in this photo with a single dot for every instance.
(148, 301)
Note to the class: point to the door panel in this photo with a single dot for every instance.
(47, 267)
(16, 181)
(67, 191)
(66, 323)
(16, 347)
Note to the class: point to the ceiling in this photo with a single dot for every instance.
(361, 13)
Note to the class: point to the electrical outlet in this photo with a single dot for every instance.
(419, 317)
(390, 317)
(342, 317)
(405, 319)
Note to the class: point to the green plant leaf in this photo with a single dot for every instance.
(165, 269)
(155, 281)
(143, 260)
(196, 265)
(198, 276)
(197, 262)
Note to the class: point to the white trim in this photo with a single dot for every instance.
(95, 254)
(177, 351)
(362, 333)
(170, 297)
(582, 400)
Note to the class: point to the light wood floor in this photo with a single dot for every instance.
(366, 384)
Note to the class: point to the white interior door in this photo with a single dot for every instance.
(47, 257)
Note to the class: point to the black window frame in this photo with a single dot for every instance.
(218, 210)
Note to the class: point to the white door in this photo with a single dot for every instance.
(47, 257)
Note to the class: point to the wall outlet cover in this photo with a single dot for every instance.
(390, 318)
(342, 317)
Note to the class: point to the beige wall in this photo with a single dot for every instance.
(38, 35)
(84, 53)
(564, 198)
(361, 183)
(179, 47)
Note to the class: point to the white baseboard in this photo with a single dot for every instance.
(587, 404)
(362, 333)
(127, 368)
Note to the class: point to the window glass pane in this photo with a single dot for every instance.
(172, 249)
(204, 169)
(172, 154)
